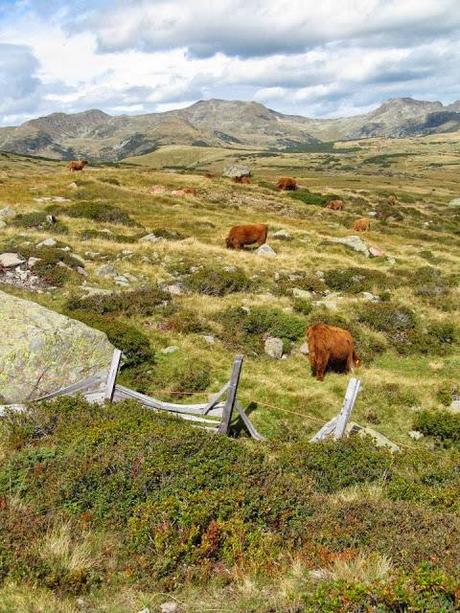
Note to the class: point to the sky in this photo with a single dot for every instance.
(319, 58)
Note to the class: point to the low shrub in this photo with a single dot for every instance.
(180, 376)
(110, 180)
(398, 323)
(187, 322)
(443, 425)
(172, 235)
(218, 282)
(286, 282)
(302, 306)
(39, 220)
(133, 343)
(55, 267)
(245, 328)
(307, 197)
(355, 280)
(143, 302)
(97, 211)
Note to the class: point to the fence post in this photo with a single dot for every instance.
(348, 403)
(231, 396)
(112, 375)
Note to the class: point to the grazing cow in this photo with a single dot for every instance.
(239, 236)
(287, 184)
(244, 180)
(330, 347)
(335, 205)
(362, 225)
(392, 200)
(76, 165)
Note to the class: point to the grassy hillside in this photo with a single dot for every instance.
(120, 509)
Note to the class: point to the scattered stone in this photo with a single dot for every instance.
(369, 297)
(107, 270)
(282, 234)
(391, 261)
(169, 607)
(455, 202)
(32, 261)
(319, 274)
(2, 224)
(151, 238)
(304, 349)
(158, 189)
(455, 405)
(94, 291)
(301, 293)
(82, 271)
(209, 339)
(330, 301)
(415, 435)
(376, 252)
(266, 251)
(237, 171)
(72, 185)
(10, 260)
(353, 242)
(122, 280)
(174, 290)
(170, 349)
(274, 347)
(7, 213)
(48, 242)
(379, 439)
(49, 350)
(227, 269)
(131, 277)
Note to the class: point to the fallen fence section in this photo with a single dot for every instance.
(337, 425)
(215, 415)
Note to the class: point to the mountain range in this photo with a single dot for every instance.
(96, 135)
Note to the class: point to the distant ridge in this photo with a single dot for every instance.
(218, 123)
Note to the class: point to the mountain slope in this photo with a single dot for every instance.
(217, 123)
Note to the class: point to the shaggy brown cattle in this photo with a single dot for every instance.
(244, 180)
(239, 236)
(335, 205)
(76, 165)
(330, 347)
(362, 225)
(287, 184)
(392, 200)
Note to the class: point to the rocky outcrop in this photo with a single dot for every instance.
(42, 351)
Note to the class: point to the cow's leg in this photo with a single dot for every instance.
(321, 365)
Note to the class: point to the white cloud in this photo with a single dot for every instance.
(297, 56)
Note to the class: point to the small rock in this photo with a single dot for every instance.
(266, 251)
(168, 607)
(7, 213)
(174, 290)
(415, 435)
(282, 234)
(72, 185)
(146, 610)
(376, 252)
(2, 224)
(151, 238)
(170, 349)
(319, 274)
(455, 405)
(82, 271)
(122, 280)
(304, 349)
(353, 242)
(10, 260)
(60, 199)
(230, 268)
(368, 297)
(131, 277)
(455, 202)
(32, 261)
(391, 261)
(236, 171)
(107, 270)
(209, 339)
(48, 242)
(274, 347)
(301, 293)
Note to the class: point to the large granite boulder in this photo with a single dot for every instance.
(237, 171)
(42, 351)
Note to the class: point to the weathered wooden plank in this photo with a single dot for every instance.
(348, 403)
(247, 422)
(215, 399)
(92, 383)
(325, 431)
(112, 375)
(231, 395)
(122, 393)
